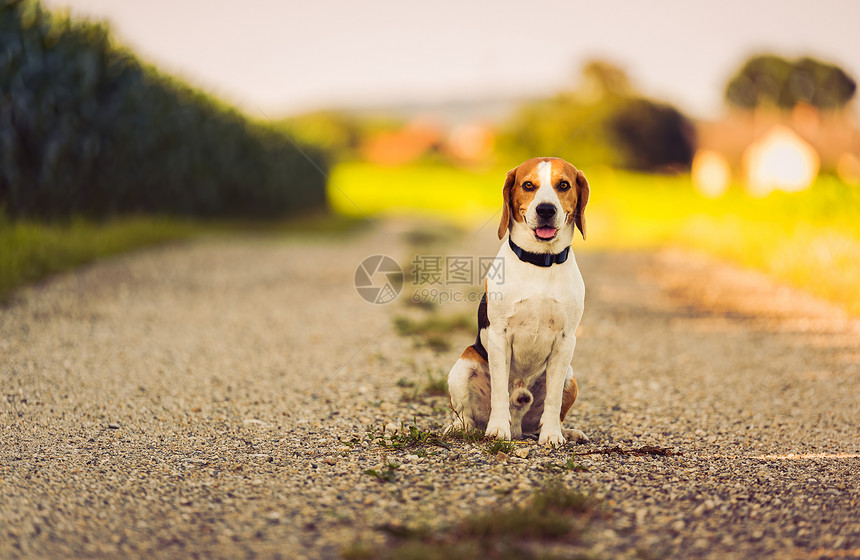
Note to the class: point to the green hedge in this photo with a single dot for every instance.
(87, 129)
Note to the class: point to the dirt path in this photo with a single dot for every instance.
(214, 400)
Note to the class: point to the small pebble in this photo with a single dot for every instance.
(522, 452)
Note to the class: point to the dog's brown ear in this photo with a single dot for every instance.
(582, 193)
(506, 201)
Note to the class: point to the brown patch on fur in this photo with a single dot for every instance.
(575, 198)
(506, 203)
(570, 197)
(568, 397)
(471, 354)
(521, 198)
(583, 191)
(479, 395)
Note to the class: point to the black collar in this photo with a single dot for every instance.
(539, 259)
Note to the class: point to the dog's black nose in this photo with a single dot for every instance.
(545, 210)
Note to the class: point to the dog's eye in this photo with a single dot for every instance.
(529, 186)
(563, 186)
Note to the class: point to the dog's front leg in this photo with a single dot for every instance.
(556, 370)
(499, 356)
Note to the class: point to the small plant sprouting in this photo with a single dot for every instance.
(437, 385)
(433, 331)
(571, 466)
(351, 442)
(408, 437)
(468, 435)
(385, 474)
(500, 446)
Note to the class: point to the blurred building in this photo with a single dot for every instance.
(418, 138)
(780, 160)
(766, 150)
(468, 143)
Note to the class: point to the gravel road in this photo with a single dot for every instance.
(221, 398)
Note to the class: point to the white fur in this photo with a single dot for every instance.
(458, 389)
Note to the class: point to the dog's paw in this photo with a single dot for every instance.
(498, 431)
(574, 435)
(553, 439)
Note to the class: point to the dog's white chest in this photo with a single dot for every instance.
(535, 325)
(537, 308)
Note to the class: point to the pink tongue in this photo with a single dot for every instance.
(545, 232)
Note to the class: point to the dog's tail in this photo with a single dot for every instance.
(521, 400)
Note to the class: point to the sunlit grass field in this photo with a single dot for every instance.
(32, 250)
(809, 239)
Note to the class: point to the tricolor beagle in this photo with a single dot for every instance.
(517, 378)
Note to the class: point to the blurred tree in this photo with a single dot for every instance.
(88, 129)
(652, 136)
(603, 122)
(604, 79)
(342, 133)
(772, 81)
(562, 126)
(338, 132)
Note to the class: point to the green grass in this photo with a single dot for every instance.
(412, 437)
(385, 474)
(435, 330)
(554, 513)
(474, 435)
(570, 465)
(809, 239)
(500, 446)
(361, 189)
(549, 513)
(30, 251)
(437, 384)
(408, 437)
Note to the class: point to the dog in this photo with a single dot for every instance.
(517, 379)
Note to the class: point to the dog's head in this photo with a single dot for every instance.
(544, 198)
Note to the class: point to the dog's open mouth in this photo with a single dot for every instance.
(545, 232)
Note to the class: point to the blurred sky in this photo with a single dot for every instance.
(287, 57)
